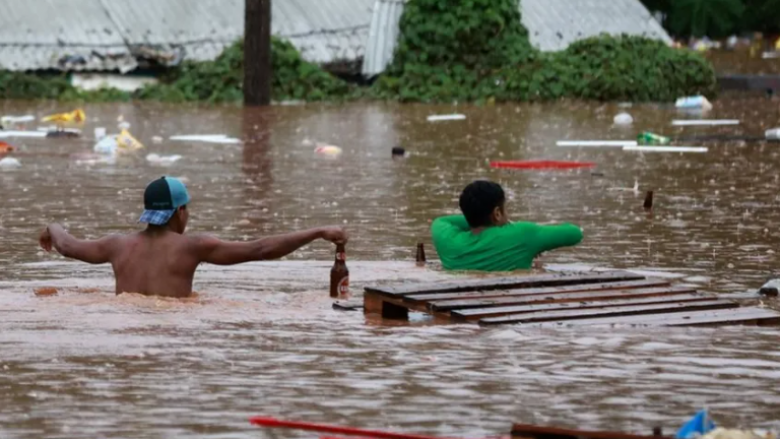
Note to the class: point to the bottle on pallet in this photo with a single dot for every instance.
(420, 258)
(339, 275)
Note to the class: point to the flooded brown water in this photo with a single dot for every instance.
(262, 338)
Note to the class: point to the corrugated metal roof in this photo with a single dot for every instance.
(382, 36)
(552, 25)
(111, 34)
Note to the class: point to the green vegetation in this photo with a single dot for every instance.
(717, 18)
(449, 50)
(474, 50)
(221, 80)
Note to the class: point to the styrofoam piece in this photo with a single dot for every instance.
(208, 138)
(704, 122)
(443, 117)
(9, 162)
(623, 119)
(4, 134)
(666, 148)
(594, 143)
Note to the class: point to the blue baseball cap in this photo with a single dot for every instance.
(161, 199)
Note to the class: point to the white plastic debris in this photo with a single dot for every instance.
(693, 102)
(106, 145)
(4, 134)
(704, 122)
(443, 117)
(208, 138)
(666, 148)
(623, 119)
(162, 160)
(596, 143)
(774, 133)
(10, 162)
(90, 159)
(157, 139)
(10, 121)
(328, 150)
(100, 133)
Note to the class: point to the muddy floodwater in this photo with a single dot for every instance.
(262, 338)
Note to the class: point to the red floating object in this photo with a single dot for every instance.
(540, 164)
(334, 429)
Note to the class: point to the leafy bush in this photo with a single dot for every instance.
(474, 50)
(221, 80)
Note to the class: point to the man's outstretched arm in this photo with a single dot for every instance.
(96, 251)
(218, 252)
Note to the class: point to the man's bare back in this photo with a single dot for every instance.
(162, 259)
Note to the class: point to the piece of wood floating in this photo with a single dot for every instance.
(639, 293)
(704, 122)
(526, 431)
(724, 317)
(502, 283)
(540, 164)
(479, 313)
(666, 148)
(443, 298)
(348, 305)
(268, 422)
(444, 117)
(608, 312)
(596, 143)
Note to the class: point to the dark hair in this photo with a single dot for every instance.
(478, 200)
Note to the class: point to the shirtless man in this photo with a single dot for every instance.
(162, 260)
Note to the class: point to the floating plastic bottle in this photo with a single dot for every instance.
(648, 138)
(774, 133)
(693, 102)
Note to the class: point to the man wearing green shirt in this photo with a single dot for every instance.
(484, 239)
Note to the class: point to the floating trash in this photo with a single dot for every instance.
(157, 139)
(328, 150)
(10, 162)
(5, 148)
(596, 143)
(623, 119)
(90, 159)
(123, 142)
(666, 148)
(540, 164)
(10, 121)
(100, 133)
(693, 102)
(208, 138)
(63, 134)
(75, 117)
(4, 134)
(163, 160)
(444, 117)
(704, 122)
(648, 138)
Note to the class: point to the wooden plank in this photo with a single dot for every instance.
(502, 283)
(638, 293)
(528, 291)
(525, 431)
(478, 313)
(608, 312)
(736, 316)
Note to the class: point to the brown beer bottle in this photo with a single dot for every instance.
(420, 258)
(339, 275)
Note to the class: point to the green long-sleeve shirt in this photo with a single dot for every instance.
(510, 247)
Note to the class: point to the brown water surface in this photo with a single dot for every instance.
(262, 338)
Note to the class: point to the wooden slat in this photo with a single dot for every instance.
(527, 291)
(478, 313)
(523, 431)
(502, 283)
(639, 293)
(736, 316)
(607, 312)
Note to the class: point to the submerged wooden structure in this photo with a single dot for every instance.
(593, 298)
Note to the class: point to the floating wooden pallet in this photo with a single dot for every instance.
(563, 299)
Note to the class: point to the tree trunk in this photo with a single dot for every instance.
(257, 52)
